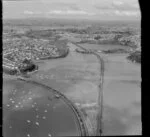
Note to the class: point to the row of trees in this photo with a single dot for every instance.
(135, 57)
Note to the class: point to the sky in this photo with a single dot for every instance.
(84, 9)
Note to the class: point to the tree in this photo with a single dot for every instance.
(97, 37)
(27, 66)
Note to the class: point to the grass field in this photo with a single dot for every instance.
(122, 96)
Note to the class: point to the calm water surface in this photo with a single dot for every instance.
(33, 111)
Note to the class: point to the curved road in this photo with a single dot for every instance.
(78, 114)
(22, 125)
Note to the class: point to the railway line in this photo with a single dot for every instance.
(81, 122)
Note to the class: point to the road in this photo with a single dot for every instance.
(100, 95)
(119, 96)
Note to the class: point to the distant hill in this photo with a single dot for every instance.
(61, 22)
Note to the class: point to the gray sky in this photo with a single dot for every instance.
(91, 9)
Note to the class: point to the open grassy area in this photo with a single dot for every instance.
(122, 96)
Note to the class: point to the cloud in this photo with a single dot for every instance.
(117, 2)
(120, 5)
(16, 0)
(70, 12)
(127, 13)
(135, 5)
(102, 7)
(70, 6)
(87, 8)
(31, 12)
(5, 2)
(28, 12)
